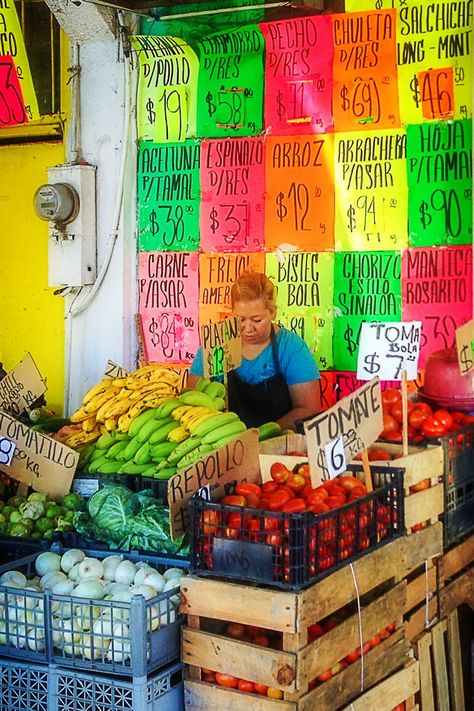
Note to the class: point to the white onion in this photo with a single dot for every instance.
(70, 558)
(125, 572)
(91, 589)
(47, 562)
(90, 569)
(173, 573)
(110, 564)
(145, 591)
(49, 580)
(156, 580)
(141, 574)
(13, 576)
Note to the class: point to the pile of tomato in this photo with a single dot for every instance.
(274, 640)
(423, 421)
(328, 540)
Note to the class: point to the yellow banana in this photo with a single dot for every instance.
(138, 380)
(136, 394)
(178, 435)
(119, 382)
(124, 422)
(136, 408)
(116, 409)
(81, 437)
(80, 415)
(191, 416)
(111, 424)
(98, 389)
(102, 413)
(124, 393)
(89, 424)
(178, 412)
(98, 400)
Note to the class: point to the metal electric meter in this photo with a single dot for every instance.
(68, 203)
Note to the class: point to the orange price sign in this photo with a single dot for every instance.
(436, 93)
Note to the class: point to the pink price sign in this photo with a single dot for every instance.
(169, 298)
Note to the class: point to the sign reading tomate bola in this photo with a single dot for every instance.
(38, 460)
(357, 419)
(221, 347)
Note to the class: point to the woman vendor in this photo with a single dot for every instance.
(278, 379)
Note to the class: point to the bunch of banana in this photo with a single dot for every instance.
(115, 403)
(160, 440)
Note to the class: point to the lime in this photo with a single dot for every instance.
(18, 530)
(53, 511)
(15, 516)
(7, 510)
(43, 524)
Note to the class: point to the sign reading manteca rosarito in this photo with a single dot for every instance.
(39, 461)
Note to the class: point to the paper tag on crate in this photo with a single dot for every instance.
(7, 450)
(242, 559)
(204, 493)
(85, 487)
(335, 457)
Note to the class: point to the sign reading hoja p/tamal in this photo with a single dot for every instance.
(357, 420)
(221, 347)
(39, 461)
(21, 386)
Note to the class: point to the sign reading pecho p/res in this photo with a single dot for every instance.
(356, 419)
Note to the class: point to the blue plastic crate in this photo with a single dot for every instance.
(35, 687)
(145, 633)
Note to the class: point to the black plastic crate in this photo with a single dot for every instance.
(458, 453)
(35, 687)
(293, 551)
(43, 627)
(12, 547)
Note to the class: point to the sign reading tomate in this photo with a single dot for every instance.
(357, 419)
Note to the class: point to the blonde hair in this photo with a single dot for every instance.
(252, 285)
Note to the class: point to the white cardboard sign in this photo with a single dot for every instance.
(388, 349)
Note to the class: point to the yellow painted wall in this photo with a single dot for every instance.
(31, 317)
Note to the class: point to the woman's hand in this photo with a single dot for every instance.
(306, 401)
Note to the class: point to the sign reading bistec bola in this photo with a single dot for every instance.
(339, 433)
(38, 460)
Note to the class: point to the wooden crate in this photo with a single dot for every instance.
(422, 603)
(396, 689)
(456, 577)
(291, 613)
(422, 507)
(439, 654)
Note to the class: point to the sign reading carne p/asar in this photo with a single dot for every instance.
(39, 461)
(357, 419)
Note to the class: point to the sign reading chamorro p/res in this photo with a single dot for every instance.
(357, 419)
(38, 460)
(221, 347)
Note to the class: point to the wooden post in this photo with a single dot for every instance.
(404, 414)
(367, 472)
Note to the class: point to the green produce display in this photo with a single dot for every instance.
(36, 516)
(163, 439)
(128, 521)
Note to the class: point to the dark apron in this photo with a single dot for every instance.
(265, 401)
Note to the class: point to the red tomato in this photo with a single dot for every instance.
(278, 499)
(467, 420)
(379, 455)
(294, 506)
(210, 521)
(375, 640)
(289, 491)
(334, 502)
(235, 630)
(353, 656)
(318, 508)
(227, 680)
(324, 676)
(262, 640)
(307, 491)
(399, 707)
(389, 425)
(244, 488)
(261, 689)
(269, 487)
(211, 678)
(395, 436)
(303, 470)
(397, 410)
(424, 406)
(444, 417)
(252, 630)
(420, 486)
(279, 472)
(246, 686)
(417, 417)
(457, 416)
(350, 482)
(314, 631)
(233, 500)
(432, 427)
(296, 482)
(253, 502)
(390, 396)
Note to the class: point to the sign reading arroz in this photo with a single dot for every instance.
(220, 470)
(339, 433)
(36, 459)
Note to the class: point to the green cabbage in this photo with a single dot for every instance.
(128, 521)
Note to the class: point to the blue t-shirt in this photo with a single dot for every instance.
(296, 362)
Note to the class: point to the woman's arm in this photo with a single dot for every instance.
(306, 401)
